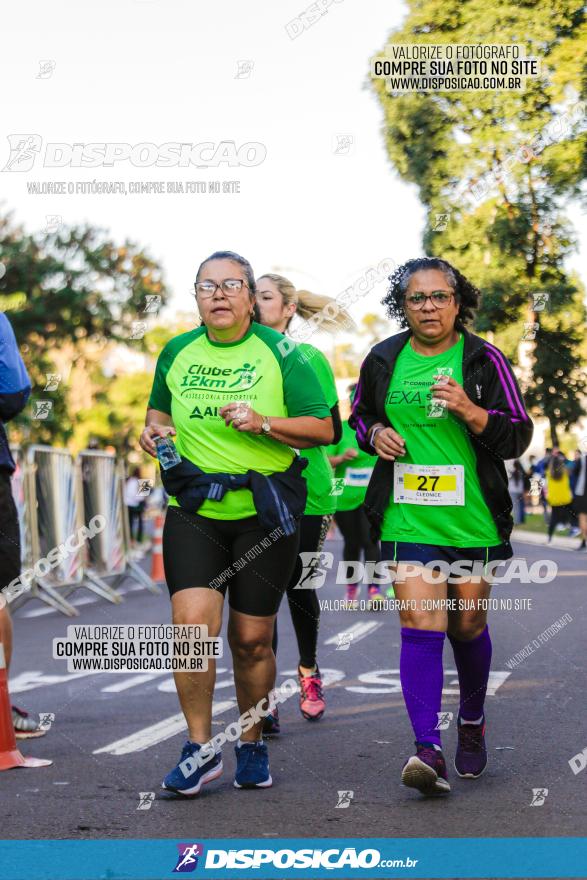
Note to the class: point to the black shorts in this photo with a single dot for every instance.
(237, 555)
(424, 554)
(9, 533)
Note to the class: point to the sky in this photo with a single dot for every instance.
(148, 71)
(324, 205)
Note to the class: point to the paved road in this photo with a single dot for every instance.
(106, 748)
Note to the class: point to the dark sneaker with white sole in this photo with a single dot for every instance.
(426, 771)
(252, 766)
(193, 771)
(471, 754)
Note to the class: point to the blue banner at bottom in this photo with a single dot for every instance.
(500, 857)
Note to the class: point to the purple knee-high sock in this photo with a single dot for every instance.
(473, 660)
(421, 677)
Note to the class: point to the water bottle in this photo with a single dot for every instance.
(166, 452)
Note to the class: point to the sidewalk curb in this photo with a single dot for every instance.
(558, 542)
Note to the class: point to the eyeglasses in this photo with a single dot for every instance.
(439, 299)
(230, 287)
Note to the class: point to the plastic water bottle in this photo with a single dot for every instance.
(167, 453)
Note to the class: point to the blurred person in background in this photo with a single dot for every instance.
(15, 389)
(135, 504)
(518, 483)
(579, 485)
(540, 470)
(558, 492)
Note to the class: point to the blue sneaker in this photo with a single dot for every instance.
(252, 766)
(189, 776)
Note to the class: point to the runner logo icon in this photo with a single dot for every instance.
(187, 860)
(23, 151)
(314, 567)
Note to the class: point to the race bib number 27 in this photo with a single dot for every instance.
(429, 484)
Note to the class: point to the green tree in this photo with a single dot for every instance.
(80, 289)
(496, 172)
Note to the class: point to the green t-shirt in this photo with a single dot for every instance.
(195, 377)
(434, 441)
(319, 474)
(353, 475)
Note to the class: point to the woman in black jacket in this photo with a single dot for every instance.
(441, 408)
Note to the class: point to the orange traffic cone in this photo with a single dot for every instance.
(9, 754)
(157, 570)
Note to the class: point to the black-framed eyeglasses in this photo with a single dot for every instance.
(230, 287)
(439, 298)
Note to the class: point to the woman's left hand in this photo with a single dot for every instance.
(242, 417)
(456, 398)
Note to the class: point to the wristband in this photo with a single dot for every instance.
(374, 433)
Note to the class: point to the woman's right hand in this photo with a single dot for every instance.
(150, 432)
(388, 444)
(349, 454)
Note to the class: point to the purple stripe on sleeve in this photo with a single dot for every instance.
(498, 412)
(361, 427)
(502, 368)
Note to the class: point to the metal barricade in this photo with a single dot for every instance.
(55, 546)
(102, 480)
(52, 566)
(38, 579)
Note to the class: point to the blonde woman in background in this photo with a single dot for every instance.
(278, 301)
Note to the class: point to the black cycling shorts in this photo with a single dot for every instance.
(9, 533)
(237, 555)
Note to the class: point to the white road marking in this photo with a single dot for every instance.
(387, 681)
(358, 630)
(131, 682)
(39, 612)
(28, 681)
(156, 733)
(168, 686)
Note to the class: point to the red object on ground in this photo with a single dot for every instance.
(9, 754)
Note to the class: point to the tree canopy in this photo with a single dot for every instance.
(496, 172)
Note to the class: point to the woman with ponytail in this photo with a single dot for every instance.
(278, 301)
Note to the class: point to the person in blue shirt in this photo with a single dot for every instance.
(15, 388)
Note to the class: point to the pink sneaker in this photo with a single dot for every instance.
(376, 598)
(352, 592)
(312, 703)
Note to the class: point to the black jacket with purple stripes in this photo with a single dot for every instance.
(489, 382)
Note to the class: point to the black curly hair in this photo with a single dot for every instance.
(466, 294)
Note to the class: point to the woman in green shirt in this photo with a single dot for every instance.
(278, 302)
(442, 409)
(237, 408)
